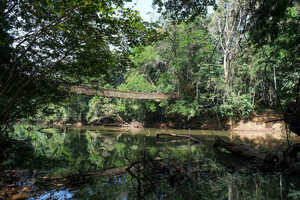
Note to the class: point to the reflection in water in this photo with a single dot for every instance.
(257, 135)
(273, 141)
(183, 170)
(59, 195)
(122, 196)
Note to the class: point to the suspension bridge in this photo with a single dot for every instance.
(113, 93)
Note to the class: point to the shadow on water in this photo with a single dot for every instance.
(90, 163)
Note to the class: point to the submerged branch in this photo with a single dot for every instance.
(177, 135)
(81, 178)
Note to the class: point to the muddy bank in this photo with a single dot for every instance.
(268, 121)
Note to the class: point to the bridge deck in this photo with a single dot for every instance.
(104, 92)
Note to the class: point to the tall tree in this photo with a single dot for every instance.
(229, 24)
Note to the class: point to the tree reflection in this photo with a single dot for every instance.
(156, 169)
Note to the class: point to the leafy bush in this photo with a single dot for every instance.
(184, 108)
(236, 106)
(52, 112)
(100, 108)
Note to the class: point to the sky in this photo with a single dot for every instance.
(145, 9)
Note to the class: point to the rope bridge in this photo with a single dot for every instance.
(105, 92)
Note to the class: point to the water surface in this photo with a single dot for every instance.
(192, 171)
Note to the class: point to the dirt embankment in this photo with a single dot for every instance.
(269, 120)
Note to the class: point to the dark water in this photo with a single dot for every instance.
(185, 171)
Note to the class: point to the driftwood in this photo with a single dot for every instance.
(177, 135)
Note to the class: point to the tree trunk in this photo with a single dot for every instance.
(230, 186)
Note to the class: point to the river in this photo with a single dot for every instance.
(90, 162)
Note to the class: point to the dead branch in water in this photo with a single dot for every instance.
(176, 135)
(274, 120)
(80, 178)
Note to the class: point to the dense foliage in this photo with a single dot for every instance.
(216, 71)
(225, 59)
(47, 45)
(221, 62)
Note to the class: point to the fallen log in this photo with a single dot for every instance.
(80, 178)
(246, 151)
(177, 135)
(269, 162)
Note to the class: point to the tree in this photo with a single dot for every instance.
(229, 24)
(279, 62)
(49, 44)
(183, 9)
(265, 19)
(183, 62)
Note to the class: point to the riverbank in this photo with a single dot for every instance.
(268, 121)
